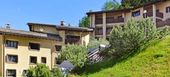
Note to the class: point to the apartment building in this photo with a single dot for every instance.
(42, 44)
(103, 21)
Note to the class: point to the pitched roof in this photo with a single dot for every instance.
(126, 9)
(66, 64)
(59, 27)
(108, 11)
(74, 28)
(29, 34)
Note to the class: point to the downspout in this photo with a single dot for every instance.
(3, 52)
(51, 56)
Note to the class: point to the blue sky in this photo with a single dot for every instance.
(19, 12)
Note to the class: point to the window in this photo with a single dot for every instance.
(12, 58)
(119, 17)
(13, 44)
(33, 60)
(58, 47)
(136, 13)
(43, 59)
(58, 61)
(34, 46)
(11, 73)
(24, 73)
(168, 9)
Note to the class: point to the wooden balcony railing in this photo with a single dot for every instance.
(72, 39)
(112, 20)
(108, 31)
(99, 21)
(150, 14)
(161, 23)
(98, 32)
(159, 14)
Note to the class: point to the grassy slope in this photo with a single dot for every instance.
(152, 62)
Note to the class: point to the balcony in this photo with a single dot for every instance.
(108, 30)
(98, 21)
(98, 32)
(150, 14)
(112, 20)
(161, 23)
(72, 39)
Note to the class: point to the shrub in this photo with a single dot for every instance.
(95, 43)
(163, 31)
(76, 54)
(40, 70)
(57, 73)
(131, 36)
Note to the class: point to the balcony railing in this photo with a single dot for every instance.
(150, 14)
(72, 39)
(161, 23)
(98, 21)
(108, 31)
(158, 14)
(112, 20)
(98, 32)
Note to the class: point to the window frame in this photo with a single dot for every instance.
(136, 13)
(8, 61)
(56, 46)
(10, 44)
(44, 59)
(24, 73)
(167, 9)
(14, 70)
(30, 61)
(32, 48)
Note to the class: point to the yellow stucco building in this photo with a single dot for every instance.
(103, 21)
(22, 49)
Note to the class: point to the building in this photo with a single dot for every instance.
(103, 21)
(23, 49)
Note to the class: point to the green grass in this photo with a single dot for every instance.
(154, 61)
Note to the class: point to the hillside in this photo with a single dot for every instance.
(154, 61)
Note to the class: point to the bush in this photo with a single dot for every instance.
(57, 73)
(40, 70)
(130, 37)
(163, 31)
(76, 54)
(95, 43)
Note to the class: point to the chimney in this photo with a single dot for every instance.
(62, 23)
(7, 26)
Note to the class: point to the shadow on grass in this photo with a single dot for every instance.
(90, 69)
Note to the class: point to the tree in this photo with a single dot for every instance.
(132, 36)
(76, 54)
(40, 70)
(95, 43)
(57, 73)
(133, 3)
(84, 22)
(111, 5)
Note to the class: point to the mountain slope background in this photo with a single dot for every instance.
(154, 61)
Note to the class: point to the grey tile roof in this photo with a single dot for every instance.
(66, 64)
(59, 27)
(29, 34)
